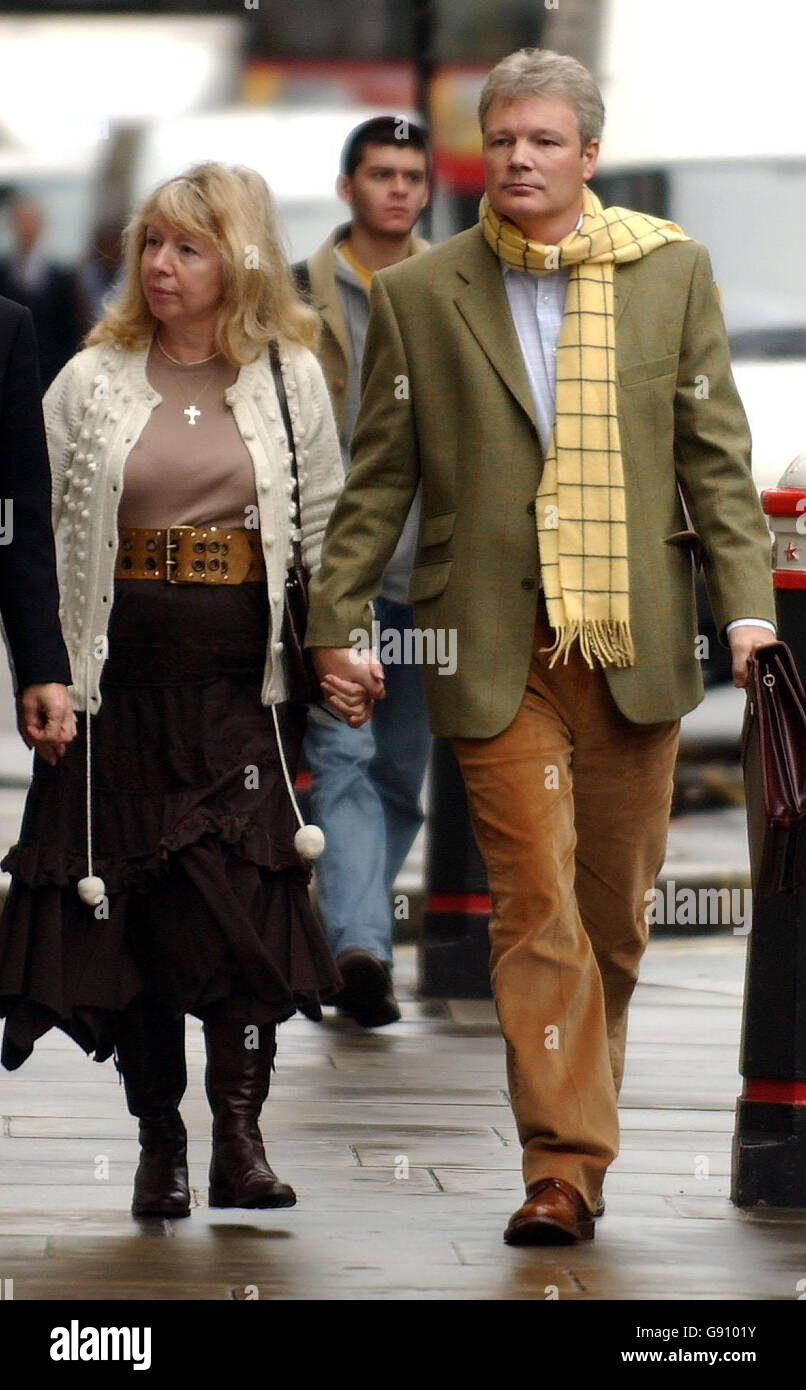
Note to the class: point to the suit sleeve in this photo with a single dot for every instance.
(384, 473)
(29, 595)
(712, 457)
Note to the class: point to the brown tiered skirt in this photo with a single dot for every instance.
(192, 834)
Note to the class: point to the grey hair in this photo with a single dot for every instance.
(541, 72)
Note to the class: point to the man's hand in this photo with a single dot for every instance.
(46, 721)
(351, 681)
(743, 642)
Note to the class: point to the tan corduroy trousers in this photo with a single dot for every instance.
(570, 807)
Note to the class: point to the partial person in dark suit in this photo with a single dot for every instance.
(48, 290)
(29, 595)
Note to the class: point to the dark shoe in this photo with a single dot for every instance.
(554, 1213)
(161, 1181)
(367, 995)
(150, 1056)
(237, 1082)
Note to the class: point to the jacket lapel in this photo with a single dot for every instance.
(622, 289)
(482, 301)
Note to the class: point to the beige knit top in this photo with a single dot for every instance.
(183, 474)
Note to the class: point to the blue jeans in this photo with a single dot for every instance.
(365, 794)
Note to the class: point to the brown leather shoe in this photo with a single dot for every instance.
(554, 1213)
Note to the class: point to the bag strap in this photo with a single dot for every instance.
(279, 384)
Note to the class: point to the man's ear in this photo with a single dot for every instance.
(590, 156)
(344, 189)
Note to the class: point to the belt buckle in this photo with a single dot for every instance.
(173, 545)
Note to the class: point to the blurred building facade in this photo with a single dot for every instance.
(704, 124)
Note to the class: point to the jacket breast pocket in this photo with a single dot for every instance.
(429, 581)
(648, 371)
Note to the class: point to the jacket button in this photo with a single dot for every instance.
(339, 385)
(531, 508)
(527, 583)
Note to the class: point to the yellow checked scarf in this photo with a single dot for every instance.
(581, 508)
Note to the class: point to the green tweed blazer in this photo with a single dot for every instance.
(446, 401)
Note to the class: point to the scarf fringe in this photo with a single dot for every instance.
(607, 639)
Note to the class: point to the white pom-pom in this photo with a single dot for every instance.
(309, 842)
(91, 890)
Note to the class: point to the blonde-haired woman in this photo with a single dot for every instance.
(156, 872)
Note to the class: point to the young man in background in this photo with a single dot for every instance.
(366, 783)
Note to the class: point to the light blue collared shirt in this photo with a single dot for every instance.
(537, 305)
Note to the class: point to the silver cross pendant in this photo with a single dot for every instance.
(192, 414)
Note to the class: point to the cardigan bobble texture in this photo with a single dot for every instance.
(96, 409)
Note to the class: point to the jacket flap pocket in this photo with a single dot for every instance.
(434, 529)
(428, 580)
(646, 371)
(689, 538)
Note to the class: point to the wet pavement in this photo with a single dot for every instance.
(402, 1149)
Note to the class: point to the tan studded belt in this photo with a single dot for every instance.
(190, 554)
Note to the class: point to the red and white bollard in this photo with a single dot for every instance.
(769, 1144)
(785, 507)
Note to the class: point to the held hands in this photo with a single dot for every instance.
(351, 680)
(45, 720)
(743, 642)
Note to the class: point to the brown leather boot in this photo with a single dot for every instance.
(150, 1056)
(161, 1180)
(237, 1083)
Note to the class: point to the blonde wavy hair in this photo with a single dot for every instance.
(232, 208)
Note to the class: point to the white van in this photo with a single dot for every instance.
(295, 149)
(705, 101)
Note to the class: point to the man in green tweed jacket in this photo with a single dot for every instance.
(558, 378)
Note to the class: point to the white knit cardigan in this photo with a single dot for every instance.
(95, 411)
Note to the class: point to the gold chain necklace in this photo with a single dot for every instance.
(193, 414)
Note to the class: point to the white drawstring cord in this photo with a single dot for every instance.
(90, 889)
(309, 841)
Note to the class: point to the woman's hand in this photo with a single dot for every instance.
(45, 720)
(351, 681)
